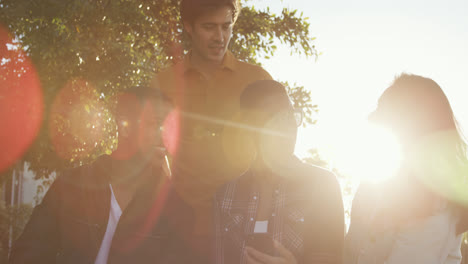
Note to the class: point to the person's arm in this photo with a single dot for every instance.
(325, 228)
(362, 206)
(39, 242)
(218, 232)
(431, 241)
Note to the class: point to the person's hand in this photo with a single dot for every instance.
(256, 257)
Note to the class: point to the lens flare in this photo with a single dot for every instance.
(171, 131)
(367, 152)
(149, 130)
(148, 222)
(439, 161)
(21, 102)
(126, 114)
(77, 125)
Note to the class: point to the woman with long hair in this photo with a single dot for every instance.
(416, 216)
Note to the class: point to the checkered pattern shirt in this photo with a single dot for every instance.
(307, 216)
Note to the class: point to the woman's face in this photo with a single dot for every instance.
(412, 114)
(394, 114)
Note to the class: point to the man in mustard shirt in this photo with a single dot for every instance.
(206, 87)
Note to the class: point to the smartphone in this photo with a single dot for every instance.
(167, 167)
(261, 242)
(166, 164)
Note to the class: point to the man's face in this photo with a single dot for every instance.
(151, 125)
(211, 33)
(139, 125)
(276, 134)
(279, 139)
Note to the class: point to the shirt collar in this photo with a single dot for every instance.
(293, 167)
(229, 62)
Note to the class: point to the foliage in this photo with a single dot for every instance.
(256, 32)
(16, 216)
(302, 100)
(316, 159)
(112, 45)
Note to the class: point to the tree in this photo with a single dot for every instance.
(302, 100)
(86, 51)
(314, 157)
(93, 49)
(12, 222)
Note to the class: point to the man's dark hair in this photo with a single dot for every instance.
(192, 9)
(267, 95)
(145, 94)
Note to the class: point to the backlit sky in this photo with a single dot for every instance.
(364, 44)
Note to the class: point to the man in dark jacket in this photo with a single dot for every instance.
(119, 209)
(280, 210)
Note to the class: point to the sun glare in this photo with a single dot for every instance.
(366, 152)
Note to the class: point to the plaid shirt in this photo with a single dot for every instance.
(307, 216)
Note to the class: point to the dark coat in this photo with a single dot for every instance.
(70, 223)
(308, 216)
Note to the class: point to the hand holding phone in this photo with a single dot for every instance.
(261, 242)
(280, 254)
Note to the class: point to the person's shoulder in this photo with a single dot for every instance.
(232, 187)
(167, 76)
(64, 186)
(255, 71)
(170, 70)
(222, 191)
(311, 174)
(369, 193)
(83, 176)
(250, 66)
(248, 71)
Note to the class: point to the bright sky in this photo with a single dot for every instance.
(364, 44)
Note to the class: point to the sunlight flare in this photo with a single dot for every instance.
(367, 152)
